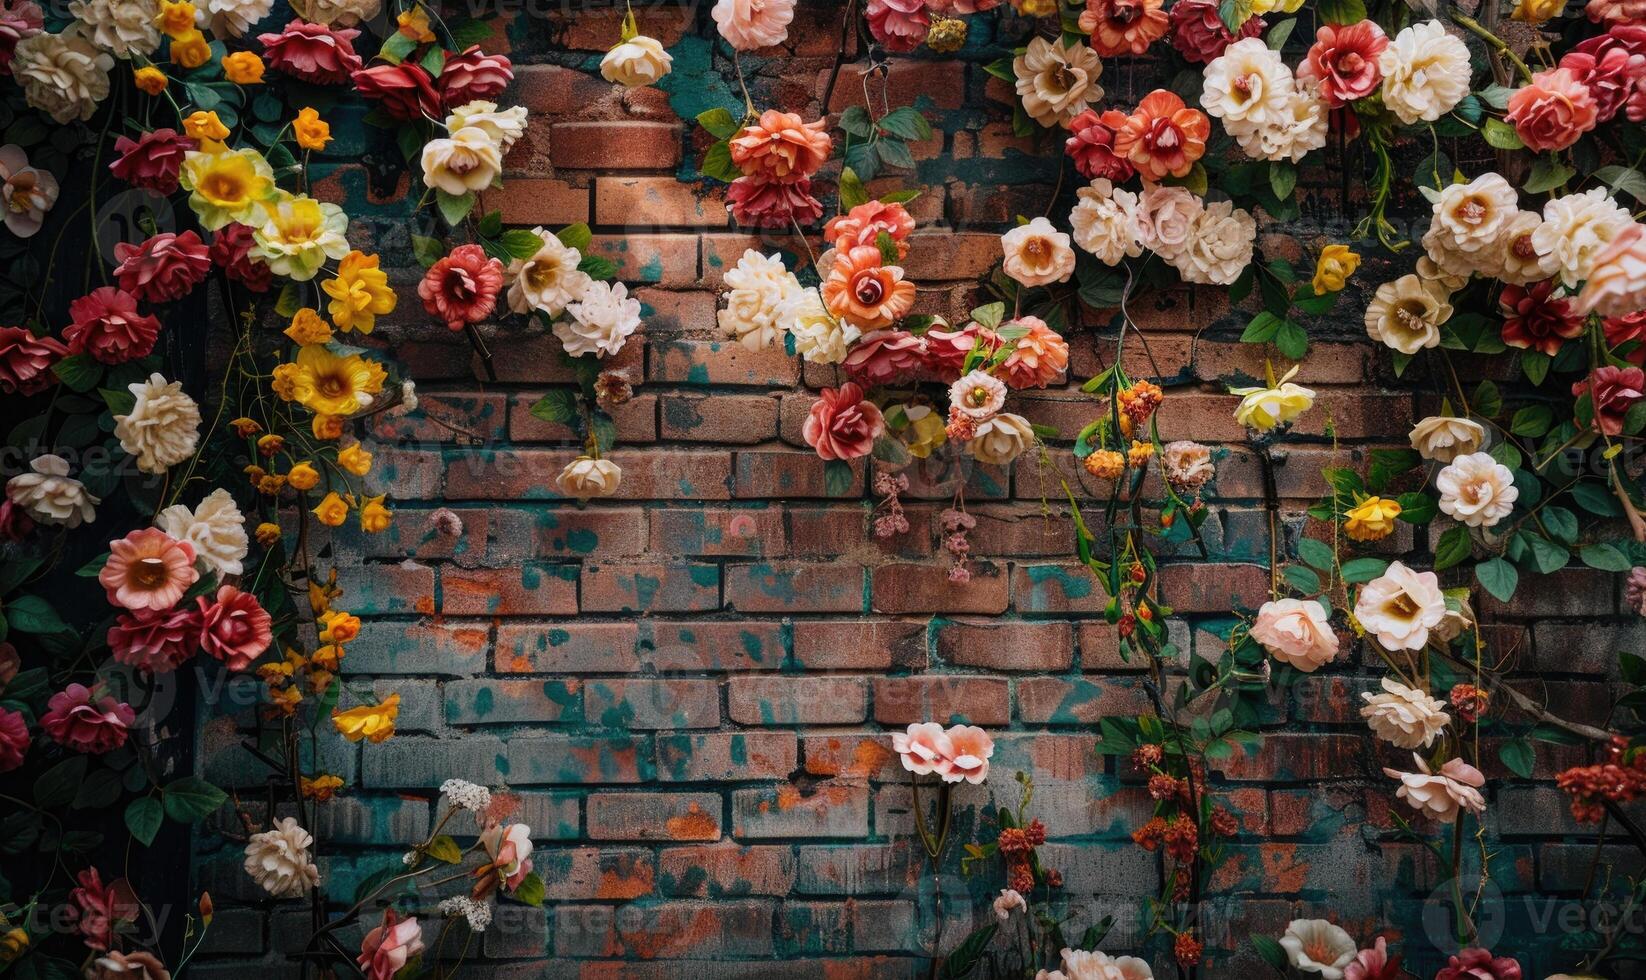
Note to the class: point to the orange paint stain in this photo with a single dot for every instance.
(694, 824)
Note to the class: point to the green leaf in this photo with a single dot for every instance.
(1547, 174)
(855, 120)
(1605, 557)
(443, 848)
(396, 48)
(1280, 33)
(989, 316)
(1262, 329)
(969, 953)
(720, 123)
(1282, 179)
(1501, 135)
(531, 890)
(907, 123)
(455, 207)
(1271, 952)
(1547, 556)
(1316, 553)
(1302, 578)
(1496, 96)
(576, 236)
(890, 450)
(520, 243)
(1632, 667)
(1364, 569)
(143, 818)
(1417, 508)
(1453, 548)
(427, 250)
(98, 790)
(1625, 179)
(559, 405)
(32, 614)
(598, 267)
(1596, 499)
(1341, 11)
(55, 788)
(1517, 756)
(289, 301)
(1234, 13)
(191, 798)
(79, 372)
(1499, 578)
(119, 401)
(837, 478)
(852, 191)
(1487, 400)
(895, 153)
(717, 163)
(1532, 421)
(1291, 340)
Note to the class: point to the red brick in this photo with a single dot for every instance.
(944, 82)
(859, 644)
(652, 587)
(656, 259)
(585, 873)
(659, 201)
(615, 145)
(1213, 588)
(654, 816)
(719, 418)
(636, 422)
(527, 590)
(830, 810)
(815, 699)
(669, 311)
(528, 474)
(721, 362)
(719, 532)
(648, 703)
(712, 645)
(560, 648)
(790, 587)
(941, 698)
(911, 588)
(855, 756)
(1055, 700)
(786, 474)
(1057, 588)
(534, 201)
(726, 756)
(1006, 644)
(443, 417)
(724, 870)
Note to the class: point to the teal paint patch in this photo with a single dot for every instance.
(484, 702)
(558, 637)
(752, 647)
(705, 576)
(697, 374)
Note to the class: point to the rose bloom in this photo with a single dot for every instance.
(234, 628)
(1163, 137)
(1479, 964)
(1400, 607)
(18, 19)
(968, 760)
(148, 569)
(1164, 217)
(1444, 437)
(1039, 358)
(1612, 390)
(1404, 717)
(106, 325)
(1219, 245)
(1037, 254)
(1425, 72)
(586, 477)
(885, 356)
(462, 287)
(1344, 61)
(1616, 12)
(1611, 67)
(390, 946)
(1123, 26)
(1616, 286)
(26, 360)
(864, 224)
(637, 62)
(1406, 314)
(1091, 141)
(163, 268)
(771, 203)
(404, 91)
(1620, 330)
(1296, 632)
(1441, 795)
(231, 251)
(865, 292)
(1104, 222)
(78, 718)
(842, 424)
(781, 146)
(1552, 111)
(1198, 31)
(1001, 439)
(1533, 319)
(313, 53)
(1057, 81)
(155, 642)
(152, 161)
(467, 160)
(14, 740)
(474, 75)
(946, 350)
(510, 851)
(899, 25)
(749, 25)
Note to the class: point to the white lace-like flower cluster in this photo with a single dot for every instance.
(466, 795)
(478, 914)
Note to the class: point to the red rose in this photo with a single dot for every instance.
(14, 740)
(1535, 320)
(1091, 142)
(1612, 390)
(155, 642)
(899, 25)
(231, 252)
(1198, 31)
(770, 204)
(1553, 111)
(79, 719)
(1479, 964)
(26, 360)
(462, 287)
(405, 91)
(313, 53)
(842, 424)
(151, 161)
(884, 356)
(107, 326)
(473, 75)
(164, 267)
(1622, 329)
(1344, 60)
(235, 628)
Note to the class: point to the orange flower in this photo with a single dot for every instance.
(150, 79)
(781, 147)
(1163, 136)
(245, 427)
(1123, 26)
(243, 68)
(190, 50)
(863, 291)
(338, 627)
(308, 328)
(312, 132)
(414, 24)
(327, 427)
(321, 788)
(268, 534)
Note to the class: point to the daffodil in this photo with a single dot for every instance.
(327, 384)
(360, 293)
(299, 234)
(372, 722)
(226, 185)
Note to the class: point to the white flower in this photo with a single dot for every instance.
(299, 235)
(1430, 271)
(63, 75)
(1104, 221)
(1247, 86)
(478, 914)
(216, 528)
(50, 495)
(1617, 277)
(601, 319)
(1187, 465)
(1404, 717)
(408, 400)
(1576, 228)
(1445, 437)
(1400, 607)
(278, 860)
(163, 426)
(1008, 902)
(1317, 946)
(1095, 965)
(1441, 795)
(1001, 439)
(26, 193)
(1406, 314)
(978, 395)
(1517, 257)
(470, 159)
(819, 336)
(586, 477)
(233, 18)
(1291, 131)
(1037, 254)
(466, 795)
(334, 12)
(1261, 409)
(1164, 217)
(503, 125)
(638, 61)
(120, 27)
(547, 281)
(760, 286)
(1057, 81)
(1476, 490)
(1219, 246)
(1425, 72)
(1469, 222)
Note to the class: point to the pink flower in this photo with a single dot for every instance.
(152, 161)
(1621, 330)
(18, 19)
(963, 6)
(1041, 356)
(923, 748)
(946, 350)
(1344, 60)
(1296, 632)
(405, 91)
(1091, 138)
(1634, 590)
(26, 360)
(387, 948)
(1616, 12)
(313, 53)
(1553, 111)
(235, 628)
(1479, 964)
(15, 523)
(462, 287)
(842, 424)
(164, 267)
(1611, 66)
(900, 25)
(148, 569)
(884, 356)
(1374, 964)
(231, 252)
(155, 642)
(1199, 34)
(96, 908)
(764, 203)
(1612, 390)
(1616, 286)
(474, 75)
(749, 25)
(970, 748)
(1533, 319)
(10, 664)
(864, 224)
(106, 325)
(1441, 795)
(14, 740)
(510, 850)
(81, 720)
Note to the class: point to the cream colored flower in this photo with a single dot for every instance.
(1577, 228)
(1617, 278)
(163, 426)
(1247, 86)
(1318, 946)
(1261, 409)
(1037, 254)
(233, 18)
(1404, 717)
(1057, 81)
(1188, 465)
(278, 860)
(1445, 437)
(504, 126)
(26, 193)
(1009, 902)
(1097, 965)
(1001, 439)
(1518, 259)
(120, 27)
(600, 320)
(1104, 221)
(1441, 795)
(1476, 490)
(1406, 314)
(50, 495)
(549, 279)
(1296, 128)
(1469, 222)
(1430, 271)
(1400, 607)
(345, 13)
(1456, 620)
(1219, 247)
(819, 336)
(1425, 72)
(299, 235)
(978, 395)
(760, 286)
(468, 160)
(216, 528)
(586, 477)
(638, 61)
(1165, 216)
(63, 75)
(1296, 632)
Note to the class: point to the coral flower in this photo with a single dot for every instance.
(1163, 137)
(884, 356)
(861, 290)
(154, 642)
(462, 287)
(1344, 61)
(970, 748)
(781, 146)
(842, 424)
(923, 748)
(1040, 357)
(899, 25)
(773, 203)
(148, 569)
(389, 947)
(863, 225)
(1123, 26)
(1553, 111)
(1091, 145)
(234, 627)
(105, 324)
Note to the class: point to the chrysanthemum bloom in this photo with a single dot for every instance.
(462, 287)
(162, 428)
(1404, 717)
(359, 293)
(1443, 438)
(1039, 357)
(884, 356)
(766, 203)
(1344, 61)
(1617, 279)
(781, 146)
(164, 267)
(1000, 439)
(85, 720)
(472, 75)
(1552, 111)
(586, 477)
(842, 424)
(1400, 607)
(327, 384)
(1442, 795)
(1317, 946)
(1535, 319)
(1612, 390)
(1372, 519)
(148, 569)
(1425, 72)
(1123, 26)
(278, 860)
(228, 185)
(1037, 254)
(313, 53)
(1091, 143)
(403, 91)
(26, 360)
(864, 224)
(749, 25)
(1406, 314)
(1296, 632)
(899, 25)
(1057, 81)
(970, 749)
(388, 947)
(105, 324)
(1198, 31)
(1163, 137)
(234, 627)
(860, 289)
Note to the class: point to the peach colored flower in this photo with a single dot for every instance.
(1296, 632)
(148, 569)
(1123, 26)
(1037, 254)
(510, 850)
(753, 24)
(389, 946)
(1344, 60)
(923, 748)
(1441, 795)
(781, 146)
(863, 291)
(1164, 136)
(1553, 111)
(842, 424)
(1041, 356)
(970, 749)
(1616, 286)
(863, 224)
(1400, 607)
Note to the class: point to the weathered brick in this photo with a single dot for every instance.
(830, 810)
(616, 145)
(654, 816)
(912, 588)
(726, 756)
(528, 590)
(1006, 644)
(942, 698)
(646, 703)
(794, 587)
(661, 201)
(653, 587)
(810, 700)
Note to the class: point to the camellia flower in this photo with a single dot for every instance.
(781, 146)
(1091, 141)
(1296, 632)
(760, 286)
(390, 946)
(1262, 409)
(1163, 136)
(586, 477)
(163, 268)
(327, 384)
(404, 91)
(155, 642)
(1057, 81)
(1246, 86)
(1479, 964)
(1616, 286)
(467, 160)
(1441, 795)
(26, 193)
(312, 53)
(106, 325)
(864, 224)
(1219, 245)
(234, 627)
(1104, 222)
(1552, 111)
(842, 424)
(229, 185)
(884, 356)
(163, 426)
(549, 279)
(749, 25)
(26, 360)
(1037, 254)
(1038, 358)
(359, 293)
(1535, 319)
(1576, 228)
(819, 337)
(862, 290)
(278, 860)
(1372, 519)
(505, 126)
(899, 25)
(1425, 72)
(1469, 221)
(1406, 314)
(1000, 439)
(148, 569)
(1123, 26)
(1445, 437)
(63, 75)
(636, 62)
(461, 288)
(601, 320)
(1343, 61)
(14, 739)
(977, 395)
(472, 75)
(152, 161)
(1611, 390)
(49, 495)
(1198, 31)
(1400, 607)
(970, 749)
(1333, 268)
(1318, 946)
(1404, 717)
(84, 720)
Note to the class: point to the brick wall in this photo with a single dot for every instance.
(691, 686)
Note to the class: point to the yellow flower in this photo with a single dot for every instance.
(1372, 519)
(926, 431)
(372, 722)
(330, 385)
(319, 789)
(1270, 6)
(1035, 8)
(360, 293)
(1264, 408)
(322, 593)
(298, 234)
(283, 701)
(243, 68)
(1139, 454)
(1537, 11)
(337, 626)
(307, 328)
(1106, 464)
(328, 657)
(354, 459)
(245, 428)
(270, 444)
(268, 534)
(283, 381)
(13, 944)
(312, 132)
(1333, 269)
(190, 50)
(374, 517)
(414, 23)
(302, 476)
(254, 473)
(271, 485)
(226, 185)
(176, 19)
(328, 427)
(331, 511)
(150, 79)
